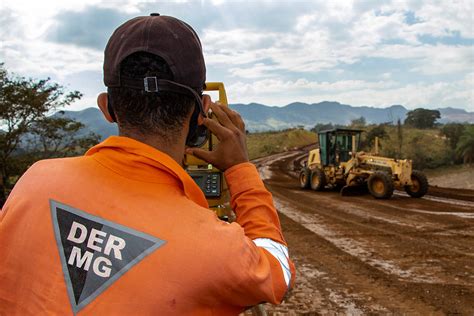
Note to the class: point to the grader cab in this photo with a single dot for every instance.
(338, 164)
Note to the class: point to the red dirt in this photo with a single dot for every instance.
(359, 255)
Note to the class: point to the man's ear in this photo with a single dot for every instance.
(102, 102)
(206, 104)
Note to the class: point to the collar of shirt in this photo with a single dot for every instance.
(136, 160)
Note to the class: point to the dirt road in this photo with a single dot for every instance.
(359, 255)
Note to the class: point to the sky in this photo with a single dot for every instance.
(417, 53)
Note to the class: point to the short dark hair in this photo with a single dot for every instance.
(147, 113)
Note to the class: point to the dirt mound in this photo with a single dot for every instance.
(457, 177)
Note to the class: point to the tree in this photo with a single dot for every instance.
(358, 122)
(57, 136)
(453, 132)
(378, 131)
(24, 108)
(321, 127)
(399, 137)
(465, 146)
(422, 118)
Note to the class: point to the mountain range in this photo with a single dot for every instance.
(260, 117)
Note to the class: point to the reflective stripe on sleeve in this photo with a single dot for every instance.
(280, 252)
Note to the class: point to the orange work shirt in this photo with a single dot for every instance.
(125, 230)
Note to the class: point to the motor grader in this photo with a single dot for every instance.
(337, 163)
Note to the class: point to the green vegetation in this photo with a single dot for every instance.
(465, 146)
(27, 131)
(378, 131)
(453, 132)
(422, 118)
(429, 144)
(428, 148)
(358, 122)
(322, 127)
(267, 143)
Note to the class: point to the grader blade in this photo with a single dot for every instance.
(354, 190)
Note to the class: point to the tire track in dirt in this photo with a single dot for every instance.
(353, 212)
(369, 256)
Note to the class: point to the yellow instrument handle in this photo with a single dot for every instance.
(218, 86)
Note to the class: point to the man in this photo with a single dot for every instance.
(124, 229)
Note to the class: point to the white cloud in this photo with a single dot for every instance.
(441, 18)
(326, 39)
(436, 17)
(24, 47)
(33, 18)
(271, 86)
(327, 12)
(305, 52)
(84, 102)
(431, 59)
(318, 44)
(48, 59)
(217, 2)
(255, 71)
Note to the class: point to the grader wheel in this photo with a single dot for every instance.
(419, 185)
(305, 178)
(318, 180)
(380, 185)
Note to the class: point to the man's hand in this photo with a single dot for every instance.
(232, 147)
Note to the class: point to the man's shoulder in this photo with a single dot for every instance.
(44, 174)
(55, 163)
(49, 168)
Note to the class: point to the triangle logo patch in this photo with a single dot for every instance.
(95, 252)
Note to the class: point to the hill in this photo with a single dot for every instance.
(94, 121)
(260, 117)
(267, 143)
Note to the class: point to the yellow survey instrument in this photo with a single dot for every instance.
(210, 179)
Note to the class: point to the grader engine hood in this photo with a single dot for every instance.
(376, 161)
(400, 168)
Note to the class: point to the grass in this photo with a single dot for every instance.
(427, 148)
(267, 143)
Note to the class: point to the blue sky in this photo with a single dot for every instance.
(376, 53)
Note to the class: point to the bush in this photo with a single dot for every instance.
(425, 147)
(267, 143)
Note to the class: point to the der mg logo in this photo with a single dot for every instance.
(95, 238)
(95, 252)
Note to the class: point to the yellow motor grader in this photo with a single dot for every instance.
(337, 163)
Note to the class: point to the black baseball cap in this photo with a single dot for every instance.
(167, 37)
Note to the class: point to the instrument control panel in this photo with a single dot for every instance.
(209, 182)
